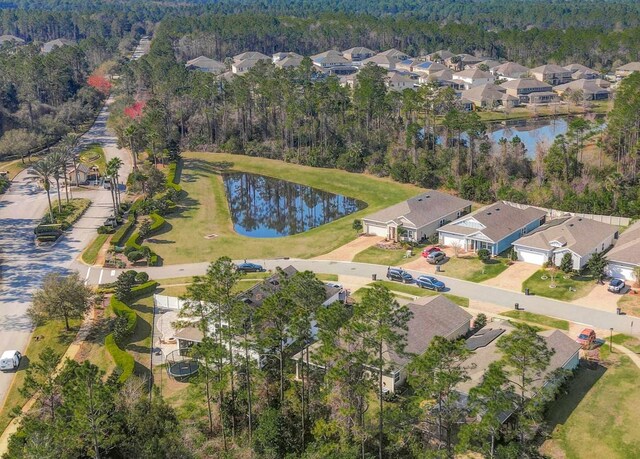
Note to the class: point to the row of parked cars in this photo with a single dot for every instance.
(400, 275)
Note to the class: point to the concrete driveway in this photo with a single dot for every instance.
(513, 277)
(351, 249)
(600, 298)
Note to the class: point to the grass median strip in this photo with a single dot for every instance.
(538, 319)
(378, 256)
(90, 255)
(417, 291)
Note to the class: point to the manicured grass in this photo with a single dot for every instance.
(93, 155)
(14, 167)
(630, 304)
(90, 255)
(538, 319)
(417, 291)
(538, 286)
(55, 337)
(139, 343)
(380, 256)
(71, 211)
(205, 211)
(596, 416)
(472, 269)
(630, 342)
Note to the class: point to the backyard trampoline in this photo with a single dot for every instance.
(181, 367)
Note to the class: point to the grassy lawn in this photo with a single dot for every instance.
(566, 289)
(630, 342)
(472, 269)
(380, 256)
(93, 155)
(14, 167)
(596, 415)
(205, 210)
(630, 304)
(90, 255)
(417, 291)
(55, 337)
(537, 319)
(71, 211)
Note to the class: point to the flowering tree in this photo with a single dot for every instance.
(135, 111)
(100, 83)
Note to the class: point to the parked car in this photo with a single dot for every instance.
(400, 275)
(436, 257)
(430, 282)
(10, 360)
(616, 285)
(429, 250)
(586, 338)
(250, 268)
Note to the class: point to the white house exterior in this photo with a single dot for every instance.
(624, 257)
(420, 216)
(473, 77)
(577, 236)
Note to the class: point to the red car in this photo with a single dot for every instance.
(586, 338)
(427, 250)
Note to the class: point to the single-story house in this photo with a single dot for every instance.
(473, 77)
(552, 74)
(624, 257)
(420, 216)
(627, 69)
(580, 237)
(329, 59)
(429, 68)
(490, 64)
(57, 43)
(358, 53)
(83, 173)
(590, 89)
(489, 95)
(204, 64)
(510, 71)
(255, 55)
(395, 54)
(440, 56)
(283, 55)
(293, 60)
(431, 316)
(494, 227)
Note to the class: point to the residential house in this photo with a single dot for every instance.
(441, 77)
(552, 74)
(488, 65)
(11, 39)
(440, 56)
(431, 316)
(407, 65)
(399, 81)
(462, 61)
(79, 175)
(386, 62)
(255, 55)
(624, 257)
(580, 237)
(473, 77)
(290, 61)
(580, 71)
(244, 62)
(357, 54)
(420, 216)
(57, 43)
(510, 71)
(494, 227)
(465, 104)
(429, 68)
(329, 59)
(627, 69)
(204, 64)
(395, 54)
(590, 89)
(523, 88)
(276, 57)
(490, 96)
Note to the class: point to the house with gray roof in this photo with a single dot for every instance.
(431, 316)
(590, 89)
(420, 216)
(57, 43)
(205, 64)
(399, 81)
(582, 71)
(490, 96)
(440, 56)
(494, 227)
(358, 53)
(329, 59)
(624, 257)
(11, 39)
(524, 88)
(627, 69)
(510, 71)
(551, 74)
(577, 236)
(473, 77)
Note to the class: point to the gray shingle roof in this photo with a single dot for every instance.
(627, 249)
(580, 235)
(423, 209)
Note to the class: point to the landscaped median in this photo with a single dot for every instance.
(417, 291)
(64, 216)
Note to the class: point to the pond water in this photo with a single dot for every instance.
(266, 207)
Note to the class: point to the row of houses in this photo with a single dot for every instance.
(46, 48)
(529, 231)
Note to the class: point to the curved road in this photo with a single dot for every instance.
(23, 264)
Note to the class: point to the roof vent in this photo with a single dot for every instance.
(419, 199)
(488, 213)
(579, 219)
(427, 195)
(498, 209)
(570, 224)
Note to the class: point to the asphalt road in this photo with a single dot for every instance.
(507, 298)
(23, 264)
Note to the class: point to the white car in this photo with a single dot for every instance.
(10, 360)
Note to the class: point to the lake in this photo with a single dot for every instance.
(266, 207)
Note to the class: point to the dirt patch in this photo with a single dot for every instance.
(351, 249)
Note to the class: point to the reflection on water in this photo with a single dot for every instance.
(267, 207)
(531, 133)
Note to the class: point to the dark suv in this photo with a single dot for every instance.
(400, 275)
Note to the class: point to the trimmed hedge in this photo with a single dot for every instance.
(125, 361)
(172, 181)
(143, 289)
(120, 235)
(157, 222)
(120, 309)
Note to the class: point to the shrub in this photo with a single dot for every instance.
(123, 359)
(120, 309)
(172, 180)
(143, 289)
(124, 284)
(142, 277)
(135, 255)
(480, 321)
(121, 234)
(105, 229)
(120, 329)
(153, 260)
(484, 255)
(566, 265)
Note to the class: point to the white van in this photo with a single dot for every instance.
(10, 360)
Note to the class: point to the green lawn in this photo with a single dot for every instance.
(595, 417)
(14, 167)
(417, 291)
(630, 304)
(90, 255)
(580, 285)
(472, 269)
(630, 342)
(93, 155)
(55, 337)
(205, 211)
(71, 211)
(380, 256)
(538, 319)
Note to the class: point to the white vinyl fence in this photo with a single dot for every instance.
(167, 302)
(554, 213)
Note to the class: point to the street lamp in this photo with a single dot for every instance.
(611, 339)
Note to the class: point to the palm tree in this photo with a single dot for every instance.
(130, 132)
(111, 172)
(115, 164)
(59, 164)
(69, 144)
(42, 171)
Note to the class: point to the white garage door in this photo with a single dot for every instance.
(535, 258)
(623, 272)
(375, 230)
(451, 241)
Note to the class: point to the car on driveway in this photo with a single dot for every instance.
(430, 282)
(429, 250)
(399, 275)
(435, 258)
(250, 268)
(586, 338)
(616, 285)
